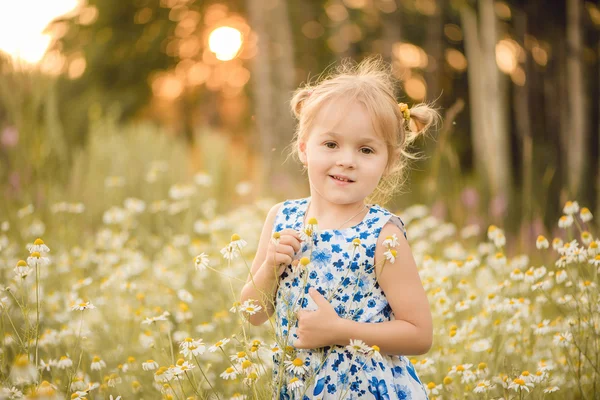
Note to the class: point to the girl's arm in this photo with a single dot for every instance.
(411, 333)
(260, 280)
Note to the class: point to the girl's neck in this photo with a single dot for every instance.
(331, 216)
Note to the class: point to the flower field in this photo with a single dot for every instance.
(144, 304)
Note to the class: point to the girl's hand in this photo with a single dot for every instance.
(317, 328)
(281, 255)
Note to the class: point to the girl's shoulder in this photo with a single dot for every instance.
(389, 217)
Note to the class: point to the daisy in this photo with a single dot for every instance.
(235, 307)
(310, 228)
(237, 242)
(516, 275)
(38, 246)
(375, 353)
(149, 365)
(251, 378)
(562, 339)
(432, 388)
(557, 243)
(595, 261)
(22, 270)
(97, 364)
(296, 366)
(390, 255)
(586, 237)
(571, 207)
(201, 261)
(594, 248)
(190, 347)
(275, 238)
(295, 384)
(275, 349)
(542, 242)
(64, 362)
(240, 356)
(565, 221)
(229, 373)
(182, 367)
(519, 384)
(483, 386)
(22, 371)
(36, 260)
(391, 241)
(82, 305)
(561, 276)
(218, 345)
(162, 317)
(250, 307)
(230, 252)
(163, 374)
(551, 389)
(585, 216)
(354, 244)
(357, 346)
(238, 396)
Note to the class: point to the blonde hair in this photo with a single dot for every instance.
(372, 84)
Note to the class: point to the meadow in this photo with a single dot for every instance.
(128, 286)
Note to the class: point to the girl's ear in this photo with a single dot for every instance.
(302, 152)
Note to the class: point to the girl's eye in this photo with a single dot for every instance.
(367, 150)
(330, 145)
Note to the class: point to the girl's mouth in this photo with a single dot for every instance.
(341, 180)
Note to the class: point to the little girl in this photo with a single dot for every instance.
(335, 268)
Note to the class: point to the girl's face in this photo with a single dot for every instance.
(344, 155)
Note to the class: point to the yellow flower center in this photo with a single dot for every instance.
(21, 263)
(519, 381)
(304, 261)
(525, 373)
(460, 368)
(356, 241)
(246, 364)
(36, 254)
(235, 237)
(312, 221)
(430, 385)
(393, 252)
(241, 354)
(294, 379)
(482, 365)
(229, 370)
(38, 242)
(375, 347)
(96, 359)
(298, 362)
(447, 380)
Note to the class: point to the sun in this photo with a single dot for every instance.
(225, 42)
(22, 25)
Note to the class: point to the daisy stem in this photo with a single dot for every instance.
(171, 345)
(182, 389)
(207, 381)
(16, 331)
(192, 383)
(37, 304)
(80, 356)
(173, 389)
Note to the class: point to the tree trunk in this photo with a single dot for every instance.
(577, 144)
(434, 48)
(261, 87)
(488, 114)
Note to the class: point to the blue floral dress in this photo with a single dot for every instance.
(345, 274)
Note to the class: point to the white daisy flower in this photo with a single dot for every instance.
(585, 215)
(390, 255)
(218, 345)
(310, 228)
(595, 261)
(149, 365)
(230, 252)
(37, 260)
(250, 307)
(551, 389)
(22, 270)
(557, 244)
(97, 364)
(561, 276)
(542, 242)
(519, 384)
(571, 207)
(354, 244)
(275, 349)
(296, 366)
(357, 346)
(565, 221)
(391, 241)
(134, 205)
(229, 373)
(562, 339)
(192, 348)
(295, 384)
(251, 378)
(483, 386)
(182, 367)
(237, 242)
(201, 262)
(38, 246)
(275, 238)
(517, 275)
(64, 362)
(82, 305)
(586, 238)
(163, 374)
(162, 317)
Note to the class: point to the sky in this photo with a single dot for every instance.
(22, 23)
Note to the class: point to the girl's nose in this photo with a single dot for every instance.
(346, 160)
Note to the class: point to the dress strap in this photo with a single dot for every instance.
(386, 216)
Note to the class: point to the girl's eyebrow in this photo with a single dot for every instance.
(362, 140)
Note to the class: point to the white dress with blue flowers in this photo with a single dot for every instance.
(345, 275)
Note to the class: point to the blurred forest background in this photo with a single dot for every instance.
(205, 86)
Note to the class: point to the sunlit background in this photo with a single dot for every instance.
(136, 135)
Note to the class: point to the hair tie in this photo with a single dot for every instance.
(405, 111)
